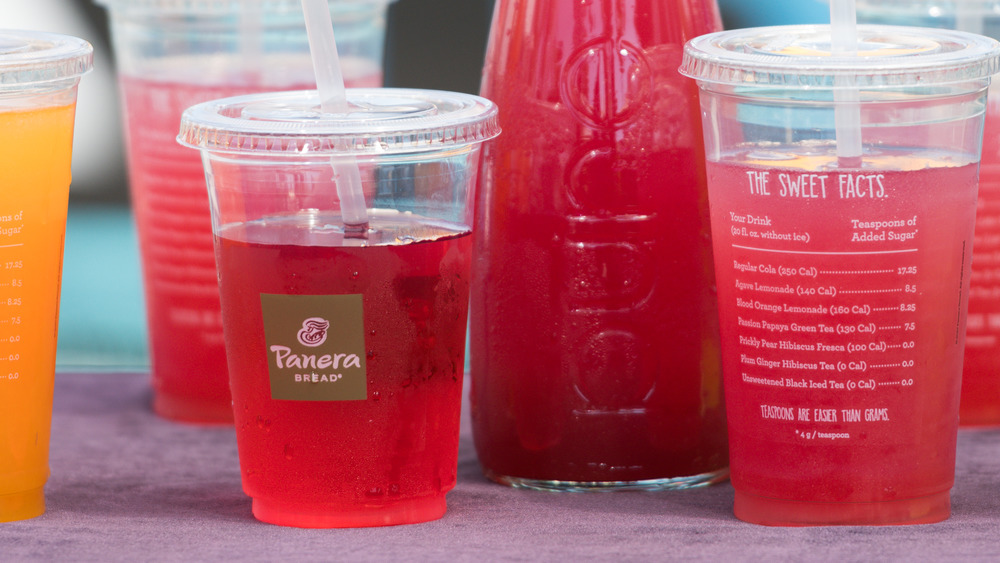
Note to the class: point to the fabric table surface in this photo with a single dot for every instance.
(129, 486)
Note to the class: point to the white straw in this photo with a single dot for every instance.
(847, 100)
(968, 17)
(333, 99)
(250, 39)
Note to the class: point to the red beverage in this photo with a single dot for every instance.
(840, 295)
(174, 227)
(385, 459)
(594, 331)
(981, 372)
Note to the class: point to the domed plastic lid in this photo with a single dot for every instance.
(32, 58)
(380, 121)
(192, 7)
(801, 57)
(934, 8)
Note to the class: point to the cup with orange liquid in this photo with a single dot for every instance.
(39, 74)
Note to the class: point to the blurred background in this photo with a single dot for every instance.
(429, 44)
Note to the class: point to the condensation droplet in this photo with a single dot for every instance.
(288, 451)
(263, 423)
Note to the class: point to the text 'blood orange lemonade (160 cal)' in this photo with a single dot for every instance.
(842, 186)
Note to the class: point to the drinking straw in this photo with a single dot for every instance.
(250, 40)
(333, 99)
(847, 100)
(968, 17)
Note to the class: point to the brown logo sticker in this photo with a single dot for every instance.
(315, 347)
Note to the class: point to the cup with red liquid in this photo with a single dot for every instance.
(345, 344)
(980, 405)
(842, 259)
(594, 337)
(171, 54)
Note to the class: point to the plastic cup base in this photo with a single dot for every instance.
(665, 484)
(778, 512)
(981, 418)
(193, 411)
(23, 505)
(328, 515)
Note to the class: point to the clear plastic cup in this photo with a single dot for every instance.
(843, 280)
(39, 74)
(980, 405)
(172, 54)
(345, 350)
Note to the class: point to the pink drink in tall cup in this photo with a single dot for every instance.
(172, 55)
(345, 346)
(980, 404)
(843, 257)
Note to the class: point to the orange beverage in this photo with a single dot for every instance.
(35, 173)
(35, 148)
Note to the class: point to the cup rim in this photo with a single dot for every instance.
(924, 7)
(195, 7)
(31, 58)
(800, 57)
(382, 121)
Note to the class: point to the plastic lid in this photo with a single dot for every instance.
(220, 6)
(381, 121)
(31, 58)
(800, 57)
(934, 8)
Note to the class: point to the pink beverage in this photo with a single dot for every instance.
(594, 331)
(842, 182)
(172, 54)
(345, 343)
(981, 372)
(314, 463)
(841, 300)
(174, 226)
(980, 405)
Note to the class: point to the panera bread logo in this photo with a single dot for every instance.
(315, 347)
(313, 331)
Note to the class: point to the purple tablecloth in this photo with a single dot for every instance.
(128, 486)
